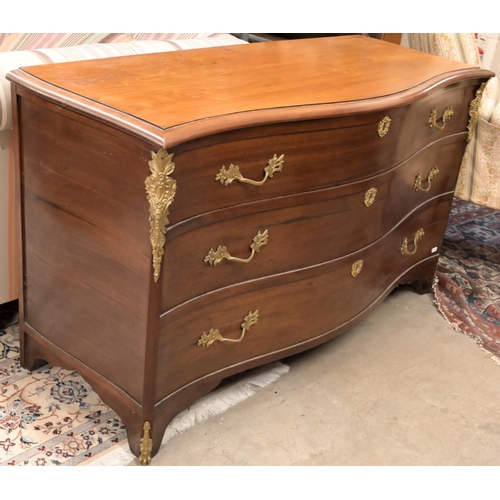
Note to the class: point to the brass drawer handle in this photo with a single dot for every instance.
(448, 113)
(225, 177)
(215, 257)
(417, 185)
(207, 339)
(404, 246)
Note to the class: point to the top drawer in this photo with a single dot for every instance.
(315, 154)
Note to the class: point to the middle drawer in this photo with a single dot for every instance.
(269, 237)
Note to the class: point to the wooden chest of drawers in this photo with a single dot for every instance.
(189, 215)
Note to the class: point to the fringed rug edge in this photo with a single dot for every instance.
(456, 326)
(211, 405)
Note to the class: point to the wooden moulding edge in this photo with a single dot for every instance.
(110, 393)
(168, 138)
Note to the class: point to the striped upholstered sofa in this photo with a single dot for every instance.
(28, 49)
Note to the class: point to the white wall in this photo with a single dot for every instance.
(490, 44)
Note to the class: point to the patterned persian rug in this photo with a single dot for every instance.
(53, 417)
(468, 279)
(49, 416)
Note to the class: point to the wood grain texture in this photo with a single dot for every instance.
(294, 306)
(301, 227)
(87, 257)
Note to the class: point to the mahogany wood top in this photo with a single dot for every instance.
(170, 89)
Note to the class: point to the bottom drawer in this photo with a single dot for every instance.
(271, 314)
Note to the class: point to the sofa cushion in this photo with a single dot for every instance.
(489, 109)
(173, 36)
(455, 46)
(31, 41)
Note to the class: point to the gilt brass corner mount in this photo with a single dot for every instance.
(474, 111)
(160, 190)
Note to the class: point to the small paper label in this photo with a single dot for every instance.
(434, 250)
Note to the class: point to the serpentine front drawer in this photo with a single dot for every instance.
(292, 308)
(267, 237)
(264, 162)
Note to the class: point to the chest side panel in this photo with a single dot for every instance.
(86, 233)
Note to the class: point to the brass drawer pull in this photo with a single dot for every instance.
(417, 185)
(448, 113)
(225, 177)
(404, 246)
(215, 257)
(207, 339)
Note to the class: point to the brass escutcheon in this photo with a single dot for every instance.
(232, 173)
(213, 335)
(383, 126)
(417, 185)
(404, 246)
(447, 114)
(215, 257)
(370, 196)
(356, 268)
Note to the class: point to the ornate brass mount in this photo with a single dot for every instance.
(447, 114)
(207, 339)
(404, 246)
(160, 190)
(232, 173)
(370, 196)
(356, 268)
(215, 257)
(474, 111)
(383, 126)
(146, 445)
(417, 185)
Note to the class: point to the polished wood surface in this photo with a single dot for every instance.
(229, 87)
(86, 132)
